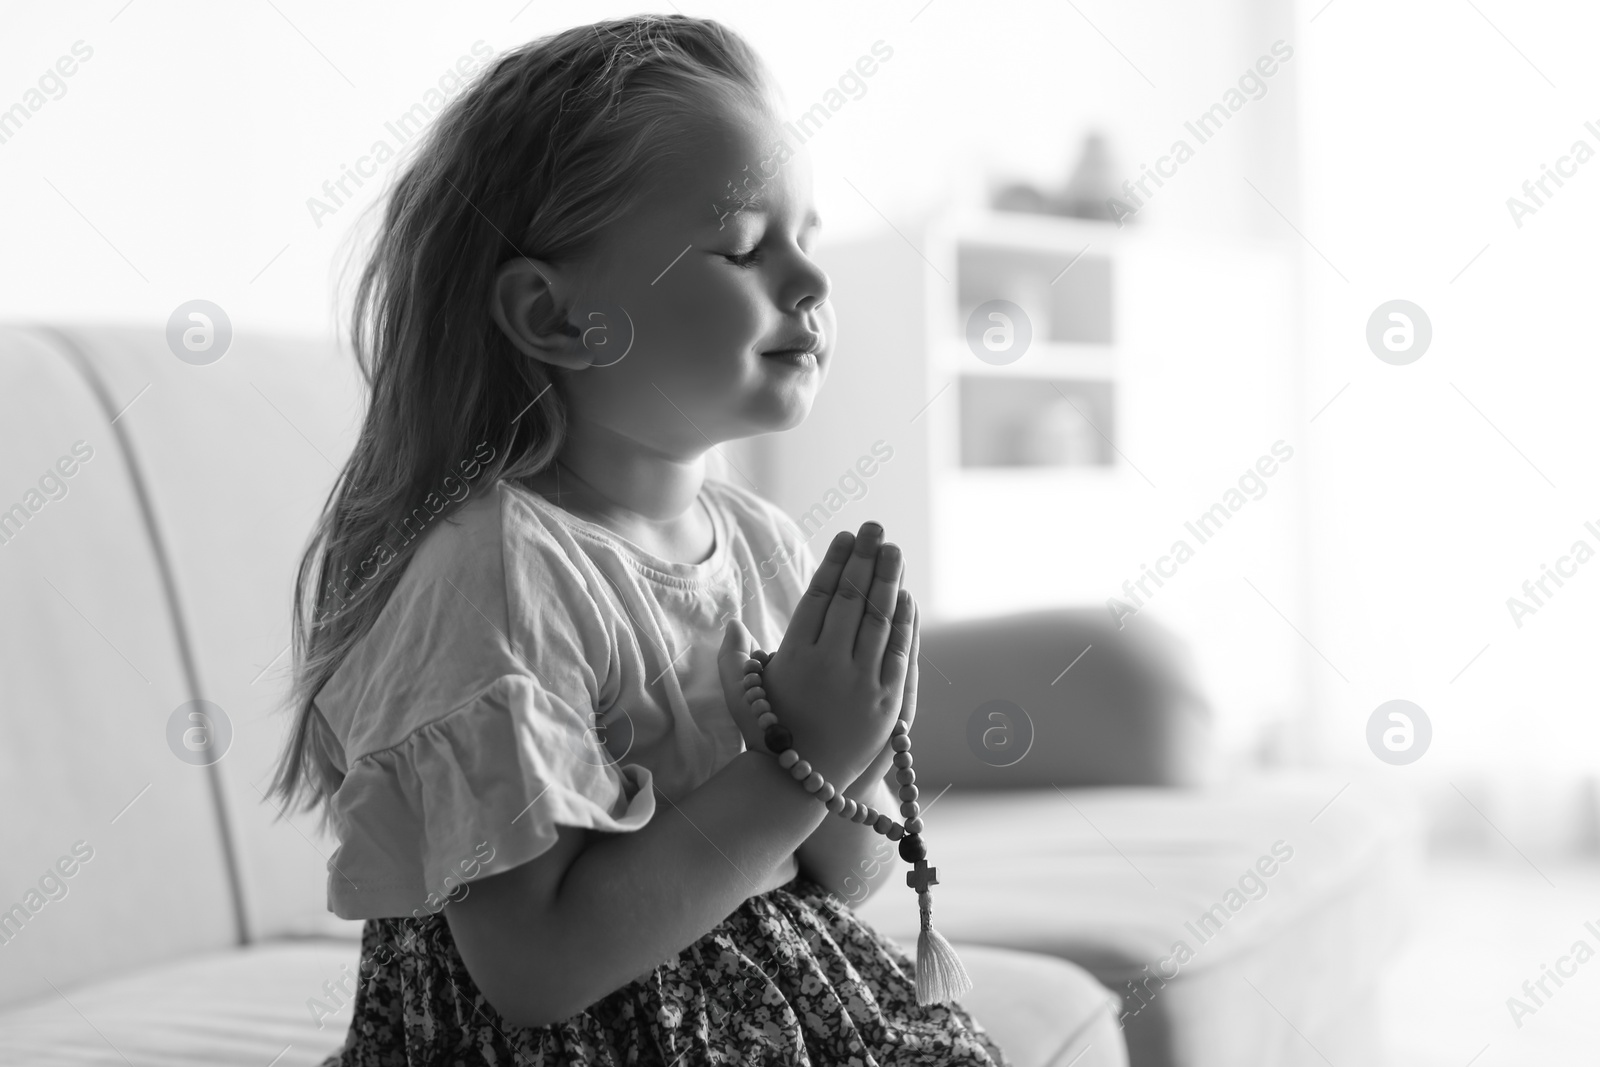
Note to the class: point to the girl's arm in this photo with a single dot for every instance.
(546, 939)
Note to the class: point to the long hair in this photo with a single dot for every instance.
(555, 141)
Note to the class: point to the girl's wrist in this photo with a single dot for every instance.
(783, 784)
(868, 788)
(829, 774)
(876, 771)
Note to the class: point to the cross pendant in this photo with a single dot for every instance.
(924, 876)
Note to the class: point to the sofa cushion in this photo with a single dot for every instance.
(1026, 700)
(1166, 897)
(249, 1007)
(91, 672)
(1039, 1009)
(280, 1004)
(237, 457)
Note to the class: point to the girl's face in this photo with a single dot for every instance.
(732, 331)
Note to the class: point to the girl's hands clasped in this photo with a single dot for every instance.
(838, 678)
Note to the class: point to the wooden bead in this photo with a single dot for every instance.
(814, 781)
(778, 738)
(848, 810)
(905, 776)
(895, 832)
(902, 759)
(865, 813)
(900, 743)
(910, 809)
(827, 792)
(908, 792)
(914, 825)
(882, 823)
(760, 656)
(752, 679)
(752, 666)
(788, 758)
(761, 707)
(800, 771)
(836, 803)
(754, 693)
(901, 727)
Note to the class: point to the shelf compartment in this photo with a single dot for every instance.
(1066, 295)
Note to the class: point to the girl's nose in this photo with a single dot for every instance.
(809, 289)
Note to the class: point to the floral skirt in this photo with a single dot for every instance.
(790, 978)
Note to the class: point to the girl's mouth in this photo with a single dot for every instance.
(799, 358)
(799, 351)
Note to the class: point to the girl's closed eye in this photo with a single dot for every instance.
(753, 257)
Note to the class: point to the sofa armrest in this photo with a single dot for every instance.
(1057, 697)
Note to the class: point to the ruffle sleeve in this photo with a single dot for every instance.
(473, 793)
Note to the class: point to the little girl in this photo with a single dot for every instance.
(524, 620)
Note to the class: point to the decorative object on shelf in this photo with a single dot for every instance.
(1021, 197)
(940, 976)
(1086, 195)
(1061, 436)
(1034, 422)
(1088, 192)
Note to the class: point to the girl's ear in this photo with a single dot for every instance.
(526, 304)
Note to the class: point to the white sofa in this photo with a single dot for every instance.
(164, 506)
(197, 930)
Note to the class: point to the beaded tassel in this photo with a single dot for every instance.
(940, 977)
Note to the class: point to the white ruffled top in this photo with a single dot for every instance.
(532, 670)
